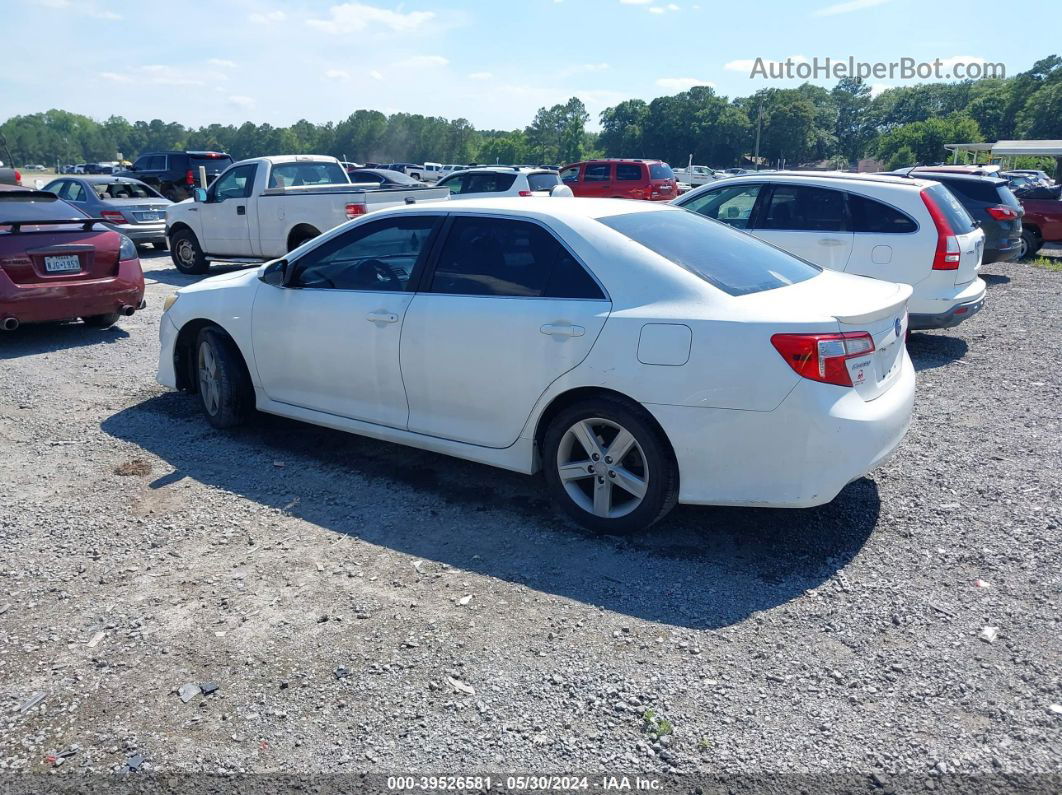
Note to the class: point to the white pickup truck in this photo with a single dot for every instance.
(695, 176)
(261, 209)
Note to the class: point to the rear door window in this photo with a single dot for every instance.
(570, 174)
(732, 205)
(873, 216)
(734, 262)
(488, 182)
(805, 209)
(491, 256)
(628, 172)
(597, 172)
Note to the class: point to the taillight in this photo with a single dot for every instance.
(947, 255)
(189, 178)
(525, 193)
(354, 210)
(18, 177)
(1002, 212)
(113, 216)
(823, 357)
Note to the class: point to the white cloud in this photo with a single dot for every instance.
(86, 9)
(267, 17)
(115, 77)
(682, 83)
(480, 76)
(847, 8)
(241, 101)
(636, 2)
(877, 88)
(375, 75)
(423, 61)
(222, 62)
(355, 17)
(673, 7)
(656, 10)
(337, 74)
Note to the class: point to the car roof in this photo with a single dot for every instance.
(505, 170)
(561, 207)
(831, 176)
(938, 176)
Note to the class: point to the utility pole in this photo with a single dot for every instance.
(759, 123)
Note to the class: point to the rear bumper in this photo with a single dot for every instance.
(802, 454)
(33, 303)
(1006, 251)
(141, 233)
(947, 311)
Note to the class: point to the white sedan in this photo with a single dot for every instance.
(639, 354)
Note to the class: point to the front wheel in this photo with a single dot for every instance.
(609, 467)
(225, 390)
(186, 253)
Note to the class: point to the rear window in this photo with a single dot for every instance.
(123, 190)
(25, 206)
(958, 219)
(543, 181)
(628, 171)
(293, 175)
(977, 190)
(661, 171)
(213, 165)
(735, 262)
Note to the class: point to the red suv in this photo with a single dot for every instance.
(58, 264)
(616, 178)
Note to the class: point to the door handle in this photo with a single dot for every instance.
(562, 330)
(382, 317)
(241, 210)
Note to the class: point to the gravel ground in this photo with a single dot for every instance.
(366, 607)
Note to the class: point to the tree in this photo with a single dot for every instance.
(922, 142)
(1042, 115)
(851, 96)
(558, 134)
(623, 129)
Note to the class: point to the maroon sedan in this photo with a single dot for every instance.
(57, 264)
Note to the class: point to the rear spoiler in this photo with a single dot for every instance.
(86, 223)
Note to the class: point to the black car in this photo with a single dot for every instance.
(174, 174)
(990, 201)
(384, 177)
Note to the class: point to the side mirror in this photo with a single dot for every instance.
(275, 273)
(199, 195)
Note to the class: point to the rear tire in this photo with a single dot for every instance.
(225, 390)
(1030, 243)
(101, 321)
(186, 253)
(627, 491)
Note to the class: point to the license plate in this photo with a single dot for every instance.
(62, 263)
(148, 216)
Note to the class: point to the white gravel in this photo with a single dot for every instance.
(321, 582)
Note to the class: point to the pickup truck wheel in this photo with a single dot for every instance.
(186, 254)
(1030, 243)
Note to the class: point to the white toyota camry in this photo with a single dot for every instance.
(639, 354)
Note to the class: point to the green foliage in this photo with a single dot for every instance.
(558, 134)
(926, 139)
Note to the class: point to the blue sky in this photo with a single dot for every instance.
(494, 62)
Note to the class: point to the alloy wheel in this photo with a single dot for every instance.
(602, 467)
(209, 379)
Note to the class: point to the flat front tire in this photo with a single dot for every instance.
(609, 467)
(225, 390)
(186, 254)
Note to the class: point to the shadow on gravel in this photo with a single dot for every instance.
(928, 351)
(170, 275)
(34, 339)
(992, 279)
(701, 567)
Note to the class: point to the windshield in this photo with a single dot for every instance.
(213, 165)
(735, 262)
(123, 190)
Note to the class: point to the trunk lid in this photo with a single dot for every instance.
(52, 255)
(139, 211)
